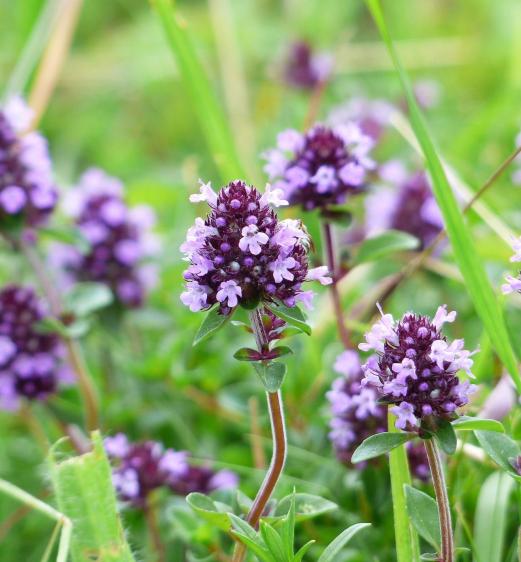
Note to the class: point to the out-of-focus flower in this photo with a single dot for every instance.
(500, 401)
(140, 468)
(321, 167)
(27, 191)
(31, 364)
(407, 204)
(513, 284)
(427, 93)
(417, 368)
(242, 253)
(357, 415)
(120, 239)
(305, 69)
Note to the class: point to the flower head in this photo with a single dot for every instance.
(417, 368)
(31, 364)
(27, 191)
(304, 69)
(407, 204)
(357, 414)
(140, 468)
(321, 167)
(242, 253)
(120, 239)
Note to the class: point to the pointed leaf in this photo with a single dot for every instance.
(211, 324)
(330, 554)
(302, 550)
(307, 506)
(380, 444)
(466, 423)
(292, 315)
(247, 534)
(500, 447)
(423, 512)
(446, 436)
(273, 541)
(385, 244)
(288, 529)
(246, 354)
(280, 351)
(271, 374)
(210, 511)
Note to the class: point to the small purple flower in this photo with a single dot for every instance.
(513, 284)
(27, 191)
(140, 468)
(242, 253)
(31, 363)
(321, 167)
(357, 414)
(417, 368)
(120, 239)
(406, 203)
(305, 69)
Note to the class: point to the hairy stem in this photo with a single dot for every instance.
(335, 295)
(442, 499)
(278, 430)
(74, 355)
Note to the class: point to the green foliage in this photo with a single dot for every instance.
(271, 374)
(379, 444)
(85, 298)
(84, 493)
(423, 511)
(466, 423)
(213, 321)
(383, 245)
(292, 315)
(501, 448)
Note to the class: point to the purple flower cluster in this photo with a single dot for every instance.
(321, 167)
(27, 191)
(304, 69)
(407, 205)
(242, 254)
(357, 415)
(120, 239)
(416, 368)
(31, 364)
(142, 467)
(513, 284)
(356, 412)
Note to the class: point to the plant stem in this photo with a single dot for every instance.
(153, 531)
(74, 354)
(335, 295)
(442, 499)
(278, 430)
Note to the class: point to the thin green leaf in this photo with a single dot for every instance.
(407, 543)
(423, 512)
(288, 529)
(307, 506)
(466, 423)
(499, 446)
(247, 534)
(302, 550)
(380, 444)
(384, 244)
(212, 322)
(491, 519)
(273, 541)
(462, 242)
(210, 511)
(208, 109)
(292, 315)
(332, 550)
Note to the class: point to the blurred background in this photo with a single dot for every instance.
(120, 104)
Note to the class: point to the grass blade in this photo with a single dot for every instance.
(211, 117)
(407, 544)
(467, 258)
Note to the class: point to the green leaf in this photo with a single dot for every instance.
(212, 322)
(491, 518)
(500, 447)
(466, 423)
(334, 547)
(211, 511)
(338, 215)
(246, 533)
(462, 241)
(446, 436)
(273, 541)
(288, 528)
(207, 108)
(281, 350)
(77, 329)
(406, 538)
(307, 506)
(246, 354)
(302, 550)
(84, 493)
(379, 444)
(423, 512)
(385, 244)
(292, 315)
(85, 298)
(271, 374)
(67, 235)
(430, 556)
